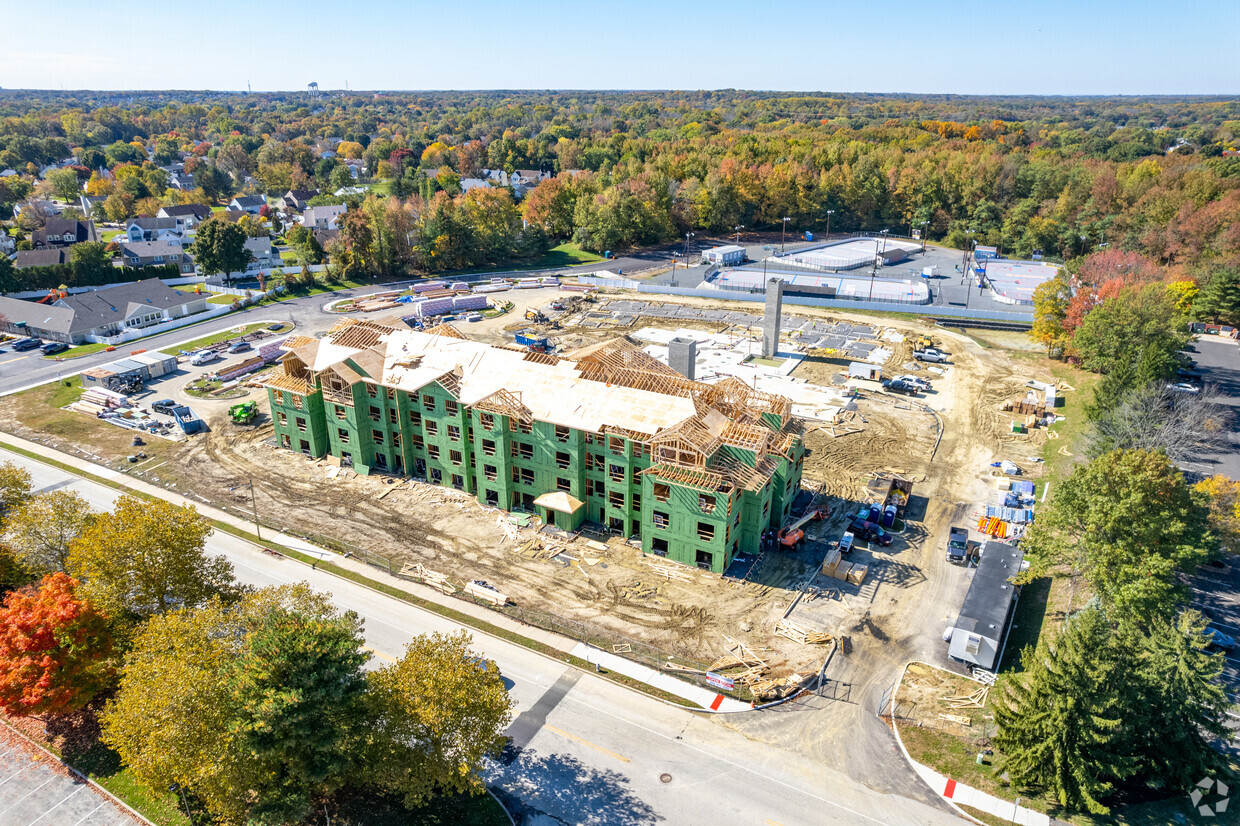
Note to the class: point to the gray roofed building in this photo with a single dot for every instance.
(298, 198)
(323, 217)
(247, 203)
(265, 255)
(103, 312)
(156, 254)
(981, 627)
(41, 258)
(63, 232)
(189, 214)
(154, 229)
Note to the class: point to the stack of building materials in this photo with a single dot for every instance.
(993, 527)
(800, 633)
(1019, 515)
(426, 286)
(836, 567)
(97, 401)
(265, 355)
(470, 302)
(377, 304)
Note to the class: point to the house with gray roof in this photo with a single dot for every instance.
(140, 254)
(63, 232)
(190, 215)
(247, 203)
(323, 217)
(99, 313)
(41, 258)
(265, 256)
(155, 229)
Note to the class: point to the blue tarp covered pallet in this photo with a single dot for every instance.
(1019, 515)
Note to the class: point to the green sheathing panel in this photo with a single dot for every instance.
(613, 482)
(695, 531)
(299, 421)
(445, 437)
(348, 430)
(785, 483)
(493, 468)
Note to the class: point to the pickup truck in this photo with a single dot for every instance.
(958, 545)
(930, 355)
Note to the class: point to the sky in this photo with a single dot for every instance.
(1053, 47)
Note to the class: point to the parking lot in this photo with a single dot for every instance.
(36, 789)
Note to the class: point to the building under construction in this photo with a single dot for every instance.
(606, 434)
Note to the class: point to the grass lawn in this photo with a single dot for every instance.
(223, 298)
(216, 338)
(103, 766)
(79, 350)
(1062, 453)
(567, 255)
(108, 234)
(382, 189)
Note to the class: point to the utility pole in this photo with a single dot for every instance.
(968, 281)
(924, 230)
(830, 212)
(783, 229)
(258, 528)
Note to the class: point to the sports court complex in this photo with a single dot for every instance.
(810, 285)
(1013, 282)
(851, 253)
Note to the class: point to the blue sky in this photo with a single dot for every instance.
(1031, 47)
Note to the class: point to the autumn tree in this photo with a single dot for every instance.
(437, 713)
(1139, 322)
(15, 485)
(42, 528)
(1050, 306)
(1222, 497)
(147, 558)
(255, 708)
(1130, 525)
(55, 649)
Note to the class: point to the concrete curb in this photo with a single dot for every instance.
(84, 778)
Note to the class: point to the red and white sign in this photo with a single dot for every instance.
(719, 681)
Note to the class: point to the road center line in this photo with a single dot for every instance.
(585, 742)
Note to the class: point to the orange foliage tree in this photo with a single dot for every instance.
(55, 649)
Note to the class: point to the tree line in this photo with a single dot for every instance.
(255, 703)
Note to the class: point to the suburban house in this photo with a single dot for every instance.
(247, 203)
(473, 183)
(89, 202)
(190, 215)
(323, 217)
(325, 236)
(185, 183)
(63, 232)
(298, 199)
(7, 243)
(527, 177)
(265, 255)
(605, 435)
(103, 312)
(155, 229)
(497, 177)
(156, 254)
(41, 258)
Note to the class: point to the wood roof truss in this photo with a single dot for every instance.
(505, 404)
(698, 478)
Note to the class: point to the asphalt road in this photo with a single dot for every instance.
(589, 751)
(1218, 358)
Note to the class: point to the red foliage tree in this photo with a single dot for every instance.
(55, 649)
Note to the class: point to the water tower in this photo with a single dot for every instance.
(313, 89)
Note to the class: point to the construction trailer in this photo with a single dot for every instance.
(726, 255)
(605, 435)
(863, 370)
(978, 636)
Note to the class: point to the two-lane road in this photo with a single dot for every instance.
(589, 751)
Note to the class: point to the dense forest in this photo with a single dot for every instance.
(1156, 176)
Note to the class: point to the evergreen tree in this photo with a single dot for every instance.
(1110, 391)
(1182, 705)
(1219, 300)
(1061, 721)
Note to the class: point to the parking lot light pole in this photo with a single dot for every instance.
(738, 228)
(968, 282)
(688, 235)
(830, 212)
(924, 230)
(782, 230)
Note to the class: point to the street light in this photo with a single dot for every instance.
(968, 283)
(258, 529)
(738, 228)
(830, 212)
(877, 255)
(782, 229)
(688, 235)
(924, 224)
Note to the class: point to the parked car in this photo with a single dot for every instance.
(279, 325)
(23, 344)
(203, 357)
(239, 347)
(163, 406)
(1183, 387)
(918, 382)
(901, 386)
(869, 532)
(557, 305)
(930, 355)
(1219, 639)
(54, 347)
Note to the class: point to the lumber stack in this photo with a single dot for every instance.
(668, 572)
(837, 567)
(800, 633)
(434, 579)
(97, 401)
(482, 592)
(956, 718)
(777, 688)
(975, 700)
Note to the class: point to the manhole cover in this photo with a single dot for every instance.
(665, 778)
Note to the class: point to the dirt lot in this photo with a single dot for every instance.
(615, 589)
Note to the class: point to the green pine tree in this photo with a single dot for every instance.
(1061, 721)
(1182, 705)
(1219, 299)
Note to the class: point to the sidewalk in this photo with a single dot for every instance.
(698, 696)
(665, 682)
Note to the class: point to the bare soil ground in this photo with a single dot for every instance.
(615, 590)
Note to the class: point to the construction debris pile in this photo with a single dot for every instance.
(754, 672)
